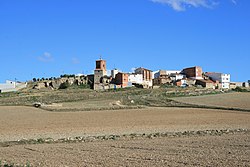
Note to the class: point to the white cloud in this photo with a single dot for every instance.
(181, 5)
(46, 57)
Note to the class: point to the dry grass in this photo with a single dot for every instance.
(148, 97)
(85, 105)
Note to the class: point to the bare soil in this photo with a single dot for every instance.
(19, 122)
(30, 123)
(228, 100)
(225, 150)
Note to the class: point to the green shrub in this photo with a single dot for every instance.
(67, 76)
(167, 86)
(84, 86)
(64, 85)
(239, 89)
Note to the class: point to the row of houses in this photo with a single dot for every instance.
(140, 77)
(145, 78)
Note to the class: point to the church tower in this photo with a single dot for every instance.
(100, 71)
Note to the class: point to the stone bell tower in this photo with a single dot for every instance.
(100, 71)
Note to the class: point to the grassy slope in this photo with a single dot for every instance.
(128, 98)
(138, 97)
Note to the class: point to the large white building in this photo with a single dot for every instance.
(224, 79)
(147, 76)
(11, 86)
(135, 78)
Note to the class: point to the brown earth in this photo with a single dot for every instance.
(29, 123)
(231, 149)
(228, 100)
(225, 150)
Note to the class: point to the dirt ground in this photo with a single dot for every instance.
(225, 150)
(229, 100)
(31, 123)
(19, 122)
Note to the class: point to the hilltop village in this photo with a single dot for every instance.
(146, 78)
(141, 77)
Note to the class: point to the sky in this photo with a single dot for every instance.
(48, 38)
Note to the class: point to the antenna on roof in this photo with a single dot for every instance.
(100, 57)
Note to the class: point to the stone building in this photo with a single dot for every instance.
(161, 77)
(193, 72)
(207, 83)
(162, 80)
(100, 72)
(121, 79)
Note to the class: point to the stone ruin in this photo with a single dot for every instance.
(55, 83)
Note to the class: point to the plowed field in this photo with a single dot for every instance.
(199, 150)
(227, 100)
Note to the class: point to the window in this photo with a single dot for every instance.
(98, 64)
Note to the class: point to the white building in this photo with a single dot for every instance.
(135, 78)
(114, 72)
(8, 85)
(11, 86)
(155, 74)
(245, 84)
(146, 76)
(224, 79)
(175, 77)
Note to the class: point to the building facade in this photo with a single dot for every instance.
(135, 78)
(99, 73)
(181, 83)
(246, 84)
(12, 86)
(159, 73)
(224, 79)
(193, 72)
(175, 77)
(121, 79)
(147, 76)
(207, 83)
(114, 72)
(162, 80)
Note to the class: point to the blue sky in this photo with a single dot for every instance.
(43, 38)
